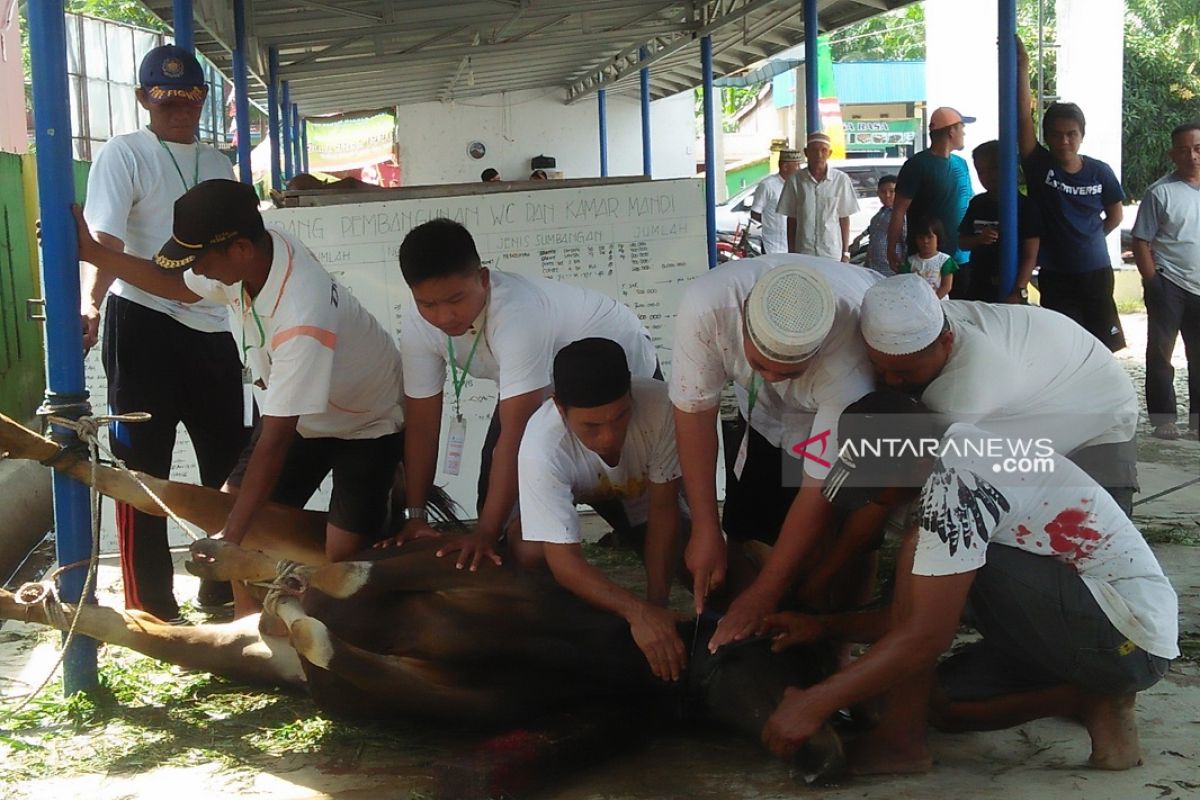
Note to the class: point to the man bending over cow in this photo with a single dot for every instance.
(1075, 612)
(471, 321)
(602, 437)
(329, 374)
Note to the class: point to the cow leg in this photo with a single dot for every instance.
(233, 650)
(219, 560)
(341, 674)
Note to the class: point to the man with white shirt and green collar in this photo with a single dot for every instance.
(606, 437)
(329, 373)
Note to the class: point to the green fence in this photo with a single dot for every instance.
(22, 359)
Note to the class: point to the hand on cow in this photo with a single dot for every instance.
(790, 629)
(793, 723)
(705, 558)
(413, 529)
(654, 632)
(472, 549)
(744, 617)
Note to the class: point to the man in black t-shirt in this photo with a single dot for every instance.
(980, 233)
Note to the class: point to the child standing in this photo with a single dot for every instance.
(877, 229)
(936, 267)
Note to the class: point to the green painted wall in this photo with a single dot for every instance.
(22, 359)
(740, 178)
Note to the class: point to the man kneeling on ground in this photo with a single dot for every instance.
(605, 437)
(1075, 612)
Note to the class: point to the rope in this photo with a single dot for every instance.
(87, 428)
(1165, 492)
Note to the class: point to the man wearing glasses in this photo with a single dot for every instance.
(132, 188)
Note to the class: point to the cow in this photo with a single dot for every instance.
(401, 633)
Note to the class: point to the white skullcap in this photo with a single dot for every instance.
(789, 313)
(901, 315)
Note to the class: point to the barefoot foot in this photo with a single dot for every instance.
(1111, 721)
(875, 754)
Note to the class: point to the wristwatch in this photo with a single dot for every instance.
(1023, 293)
(416, 512)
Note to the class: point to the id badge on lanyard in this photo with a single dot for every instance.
(739, 463)
(456, 441)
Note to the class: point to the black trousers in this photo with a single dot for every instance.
(1087, 298)
(1171, 310)
(179, 375)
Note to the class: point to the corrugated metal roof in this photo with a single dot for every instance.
(880, 81)
(355, 54)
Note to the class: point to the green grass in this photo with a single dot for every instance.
(148, 714)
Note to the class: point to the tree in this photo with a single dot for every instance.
(1162, 87)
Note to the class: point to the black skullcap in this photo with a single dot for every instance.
(590, 372)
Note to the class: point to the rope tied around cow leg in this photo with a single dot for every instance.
(87, 430)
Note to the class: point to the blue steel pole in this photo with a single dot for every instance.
(285, 138)
(645, 81)
(273, 116)
(65, 387)
(812, 88)
(304, 142)
(181, 21)
(297, 160)
(241, 92)
(602, 109)
(710, 156)
(1007, 27)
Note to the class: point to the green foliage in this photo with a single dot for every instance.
(1162, 85)
(895, 36)
(131, 12)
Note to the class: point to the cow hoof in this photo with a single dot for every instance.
(208, 560)
(822, 760)
(341, 580)
(311, 639)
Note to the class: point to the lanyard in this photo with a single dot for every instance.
(459, 379)
(248, 302)
(195, 170)
(755, 380)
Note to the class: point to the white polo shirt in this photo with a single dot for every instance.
(315, 351)
(774, 224)
(709, 350)
(131, 192)
(966, 509)
(526, 321)
(818, 207)
(1027, 372)
(556, 471)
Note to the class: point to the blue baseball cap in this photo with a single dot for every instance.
(169, 73)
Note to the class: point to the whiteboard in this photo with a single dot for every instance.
(637, 242)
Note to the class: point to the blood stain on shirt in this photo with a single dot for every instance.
(1070, 535)
(1022, 534)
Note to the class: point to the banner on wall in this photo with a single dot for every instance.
(880, 134)
(351, 141)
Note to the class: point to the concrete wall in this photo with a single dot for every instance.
(516, 126)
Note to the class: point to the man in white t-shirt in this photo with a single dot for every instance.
(329, 374)
(131, 187)
(606, 437)
(1075, 612)
(1021, 371)
(766, 198)
(818, 202)
(471, 321)
(784, 329)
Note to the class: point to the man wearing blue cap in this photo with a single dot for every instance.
(937, 183)
(134, 183)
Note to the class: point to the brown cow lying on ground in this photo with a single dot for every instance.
(402, 633)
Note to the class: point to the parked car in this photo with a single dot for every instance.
(864, 173)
